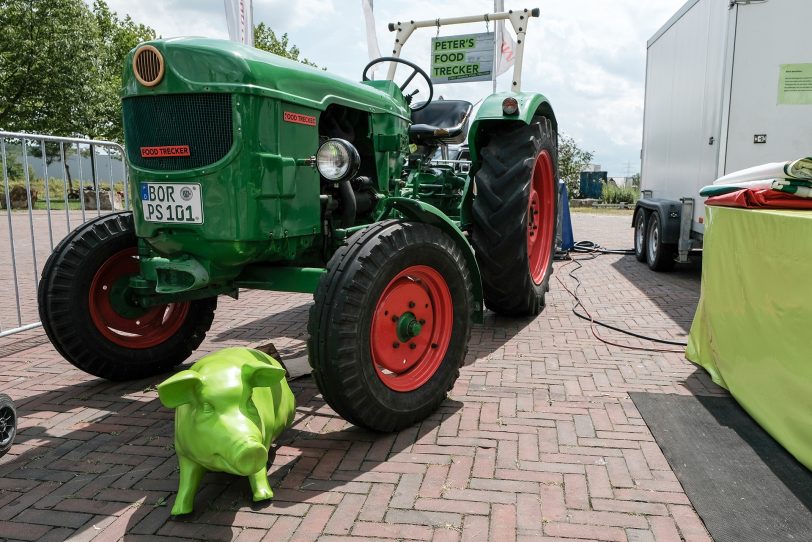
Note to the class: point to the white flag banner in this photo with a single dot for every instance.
(506, 46)
(240, 21)
(372, 37)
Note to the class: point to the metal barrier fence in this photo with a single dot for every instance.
(50, 185)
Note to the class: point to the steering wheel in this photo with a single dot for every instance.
(416, 70)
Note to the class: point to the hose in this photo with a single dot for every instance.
(596, 250)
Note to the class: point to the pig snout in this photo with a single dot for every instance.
(250, 456)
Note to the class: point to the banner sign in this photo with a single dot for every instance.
(462, 59)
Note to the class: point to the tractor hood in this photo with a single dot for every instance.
(193, 65)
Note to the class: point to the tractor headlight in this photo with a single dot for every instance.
(337, 160)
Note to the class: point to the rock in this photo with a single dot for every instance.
(586, 202)
(18, 197)
(109, 201)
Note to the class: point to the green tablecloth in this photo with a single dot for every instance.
(753, 327)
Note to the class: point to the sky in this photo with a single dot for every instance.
(588, 57)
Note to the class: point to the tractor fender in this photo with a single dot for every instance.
(490, 117)
(423, 212)
(531, 104)
(670, 212)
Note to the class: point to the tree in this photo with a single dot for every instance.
(60, 67)
(571, 162)
(636, 181)
(265, 39)
(60, 70)
(49, 81)
(117, 37)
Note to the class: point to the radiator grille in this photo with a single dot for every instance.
(201, 121)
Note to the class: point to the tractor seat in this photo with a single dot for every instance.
(443, 121)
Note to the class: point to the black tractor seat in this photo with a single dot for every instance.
(442, 121)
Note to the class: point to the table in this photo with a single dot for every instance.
(753, 327)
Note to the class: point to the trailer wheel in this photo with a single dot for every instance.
(515, 217)
(390, 325)
(88, 316)
(640, 235)
(660, 256)
(8, 423)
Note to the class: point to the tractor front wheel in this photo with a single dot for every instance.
(90, 318)
(390, 326)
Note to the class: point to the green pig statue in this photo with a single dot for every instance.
(231, 405)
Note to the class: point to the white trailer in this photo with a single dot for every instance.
(728, 86)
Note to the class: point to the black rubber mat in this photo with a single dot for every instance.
(743, 484)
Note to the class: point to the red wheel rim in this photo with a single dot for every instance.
(541, 217)
(150, 328)
(411, 328)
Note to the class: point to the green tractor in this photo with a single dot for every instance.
(248, 170)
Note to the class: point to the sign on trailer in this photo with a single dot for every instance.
(462, 59)
(795, 84)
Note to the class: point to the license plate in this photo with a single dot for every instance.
(171, 203)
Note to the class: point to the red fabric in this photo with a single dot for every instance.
(760, 198)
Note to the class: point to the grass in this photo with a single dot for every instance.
(615, 194)
(56, 188)
(601, 211)
(42, 205)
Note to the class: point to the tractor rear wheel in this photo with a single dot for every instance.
(515, 217)
(8, 423)
(86, 311)
(390, 325)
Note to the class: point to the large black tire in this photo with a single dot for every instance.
(8, 423)
(72, 311)
(364, 282)
(517, 163)
(640, 235)
(660, 256)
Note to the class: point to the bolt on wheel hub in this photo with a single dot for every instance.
(411, 328)
(117, 318)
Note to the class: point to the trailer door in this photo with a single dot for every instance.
(767, 123)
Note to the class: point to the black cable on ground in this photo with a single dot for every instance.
(595, 250)
(591, 247)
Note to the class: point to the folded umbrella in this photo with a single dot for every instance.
(797, 169)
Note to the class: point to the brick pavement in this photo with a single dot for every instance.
(537, 441)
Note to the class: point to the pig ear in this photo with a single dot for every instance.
(262, 376)
(179, 389)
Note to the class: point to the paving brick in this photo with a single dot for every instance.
(539, 426)
(377, 503)
(475, 529)
(664, 529)
(419, 517)
(388, 530)
(22, 531)
(575, 492)
(345, 514)
(590, 532)
(457, 507)
(689, 524)
(503, 523)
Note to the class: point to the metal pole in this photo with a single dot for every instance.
(47, 193)
(64, 158)
(81, 181)
(30, 215)
(518, 18)
(10, 231)
(497, 45)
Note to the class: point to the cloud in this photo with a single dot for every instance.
(586, 56)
